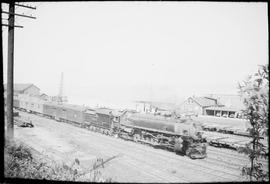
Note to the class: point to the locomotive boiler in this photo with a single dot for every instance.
(184, 136)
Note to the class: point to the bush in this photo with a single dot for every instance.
(19, 163)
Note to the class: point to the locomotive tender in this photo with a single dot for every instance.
(181, 135)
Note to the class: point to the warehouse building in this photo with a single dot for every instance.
(27, 89)
(197, 105)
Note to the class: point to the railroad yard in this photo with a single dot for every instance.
(126, 161)
(172, 93)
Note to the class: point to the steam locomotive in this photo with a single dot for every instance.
(184, 136)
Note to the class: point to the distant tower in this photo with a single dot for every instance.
(61, 86)
(61, 98)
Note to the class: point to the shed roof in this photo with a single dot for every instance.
(43, 94)
(20, 87)
(230, 100)
(204, 102)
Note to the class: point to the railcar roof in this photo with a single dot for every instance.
(67, 106)
(108, 112)
(104, 111)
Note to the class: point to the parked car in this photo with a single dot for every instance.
(231, 115)
(225, 115)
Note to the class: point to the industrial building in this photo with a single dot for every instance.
(29, 89)
(197, 105)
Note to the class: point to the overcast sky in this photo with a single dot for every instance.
(121, 51)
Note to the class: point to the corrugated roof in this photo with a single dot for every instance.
(20, 87)
(204, 102)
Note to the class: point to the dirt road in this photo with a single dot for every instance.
(127, 161)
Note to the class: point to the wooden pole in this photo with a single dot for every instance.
(10, 125)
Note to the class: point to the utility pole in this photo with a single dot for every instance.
(10, 76)
(10, 124)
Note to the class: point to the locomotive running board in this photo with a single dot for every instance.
(150, 129)
(148, 142)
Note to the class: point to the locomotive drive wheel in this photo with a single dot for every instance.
(136, 137)
(188, 153)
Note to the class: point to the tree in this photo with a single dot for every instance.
(254, 92)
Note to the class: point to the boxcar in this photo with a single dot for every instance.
(49, 109)
(65, 112)
(90, 116)
(74, 113)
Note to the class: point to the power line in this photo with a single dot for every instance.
(21, 15)
(11, 25)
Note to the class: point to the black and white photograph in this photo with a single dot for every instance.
(135, 91)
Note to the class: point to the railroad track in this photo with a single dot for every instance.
(211, 170)
(199, 165)
(187, 165)
(206, 170)
(234, 155)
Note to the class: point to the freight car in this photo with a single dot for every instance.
(65, 113)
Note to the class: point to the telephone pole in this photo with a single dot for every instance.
(10, 76)
(10, 124)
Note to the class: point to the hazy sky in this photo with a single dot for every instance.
(119, 51)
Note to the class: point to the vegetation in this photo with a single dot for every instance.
(19, 163)
(256, 99)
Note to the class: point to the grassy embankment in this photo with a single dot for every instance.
(20, 163)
